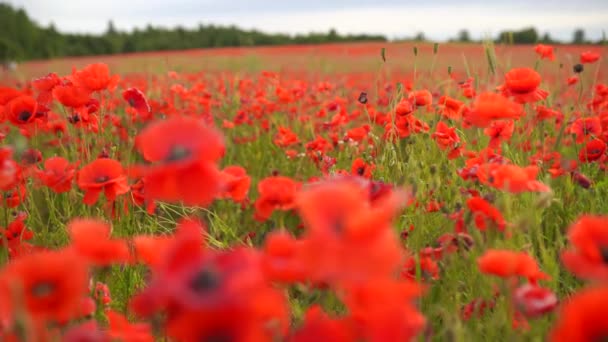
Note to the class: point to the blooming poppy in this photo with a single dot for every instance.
(505, 263)
(285, 137)
(511, 178)
(592, 151)
(91, 240)
(489, 107)
(58, 174)
(50, 285)
(583, 317)
(451, 108)
(499, 131)
(318, 326)
(45, 86)
(71, 95)
(484, 213)
(421, 98)
(588, 57)
(588, 257)
(22, 110)
(235, 183)
(105, 175)
(544, 51)
(122, 330)
(95, 77)
(9, 169)
(447, 139)
(583, 128)
(183, 153)
(137, 100)
(275, 192)
(522, 85)
(361, 168)
(404, 108)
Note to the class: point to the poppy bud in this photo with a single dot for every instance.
(363, 97)
(578, 68)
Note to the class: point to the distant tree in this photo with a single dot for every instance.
(546, 39)
(463, 36)
(524, 36)
(420, 37)
(578, 36)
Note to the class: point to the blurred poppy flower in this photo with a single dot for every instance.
(522, 85)
(588, 256)
(588, 57)
(362, 169)
(505, 263)
(451, 108)
(511, 178)
(91, 240)
(489, 107)
(183, 153)
(544, 51)
(534, 301)
(58, 174)
(235, 183)
(95, 77)
(583, 317)
(447, 139)
(71, 96)
(484, 213)
(105, 175)
(583, 128)
(22, 110)
(592, 151)
(275, 192)
(137, 100)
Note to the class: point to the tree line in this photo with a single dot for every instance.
(23, 39)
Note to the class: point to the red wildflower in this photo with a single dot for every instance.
(95, 77)
(583, 317)
(447, 139)
(49, 285)
(511, 178)
(489, 107)
(58, 174)
(122, 330)
(586, 127)
(588, 258)
(71, 96)
(421, 98)
(318, 326)
(592, 151)
(22, 110)
(105, 175)
(534, 301)
(544, 51)
(9, 170)
(361, 168)
(235, 183)
(499, 131)
(522, 84)
(183, 152)
(504, 263)
(137, 100)
(451, 108)
(275, 193)
(404, 108)
(484, 213)
(589, 57)
(285, 137)
(91, 240)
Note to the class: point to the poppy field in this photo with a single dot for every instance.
(355, 192)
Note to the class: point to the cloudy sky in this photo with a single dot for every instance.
(438, 19)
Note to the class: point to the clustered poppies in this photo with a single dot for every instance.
(324, 256)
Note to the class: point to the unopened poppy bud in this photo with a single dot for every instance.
(363, 97)
(578, 68)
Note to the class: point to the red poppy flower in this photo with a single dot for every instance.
(583, 317)
(9, 170)
(504, 263)
(511, 178)
(72, 96)
(589, 57)
(22, 110)
(16, 232)
(281, 260)
(534, 301)
(499, 131)
(105, 175)
(318, 326)
(58, 174)
(572, 80)
(489, 107)
(137, 100)
(404, 108)
(421, 98)
(122, 330)
(7, 94)
(183, 153)
(235, 183)
(451, 108)
(285, 137)
(588, 258)
(275, 193)
(593, 151)
(522, 84)
(583, 128)
(45, 86)
(447, 139)
(361, 168)
(544, 51)
(50, 285)
(91, 240)
(484, 213)
(95, 77)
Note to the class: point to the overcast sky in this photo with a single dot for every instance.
(438, 19)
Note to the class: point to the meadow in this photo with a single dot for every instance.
(340, 192)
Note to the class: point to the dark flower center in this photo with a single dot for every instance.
(205, 280)
(24, 116)
(43, 289)
(604, 255)
(102, 179)
(220, 336)
(360, 170)
(177, 153)
(603, 338)
(132, 102)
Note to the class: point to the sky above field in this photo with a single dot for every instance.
(439, 19)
